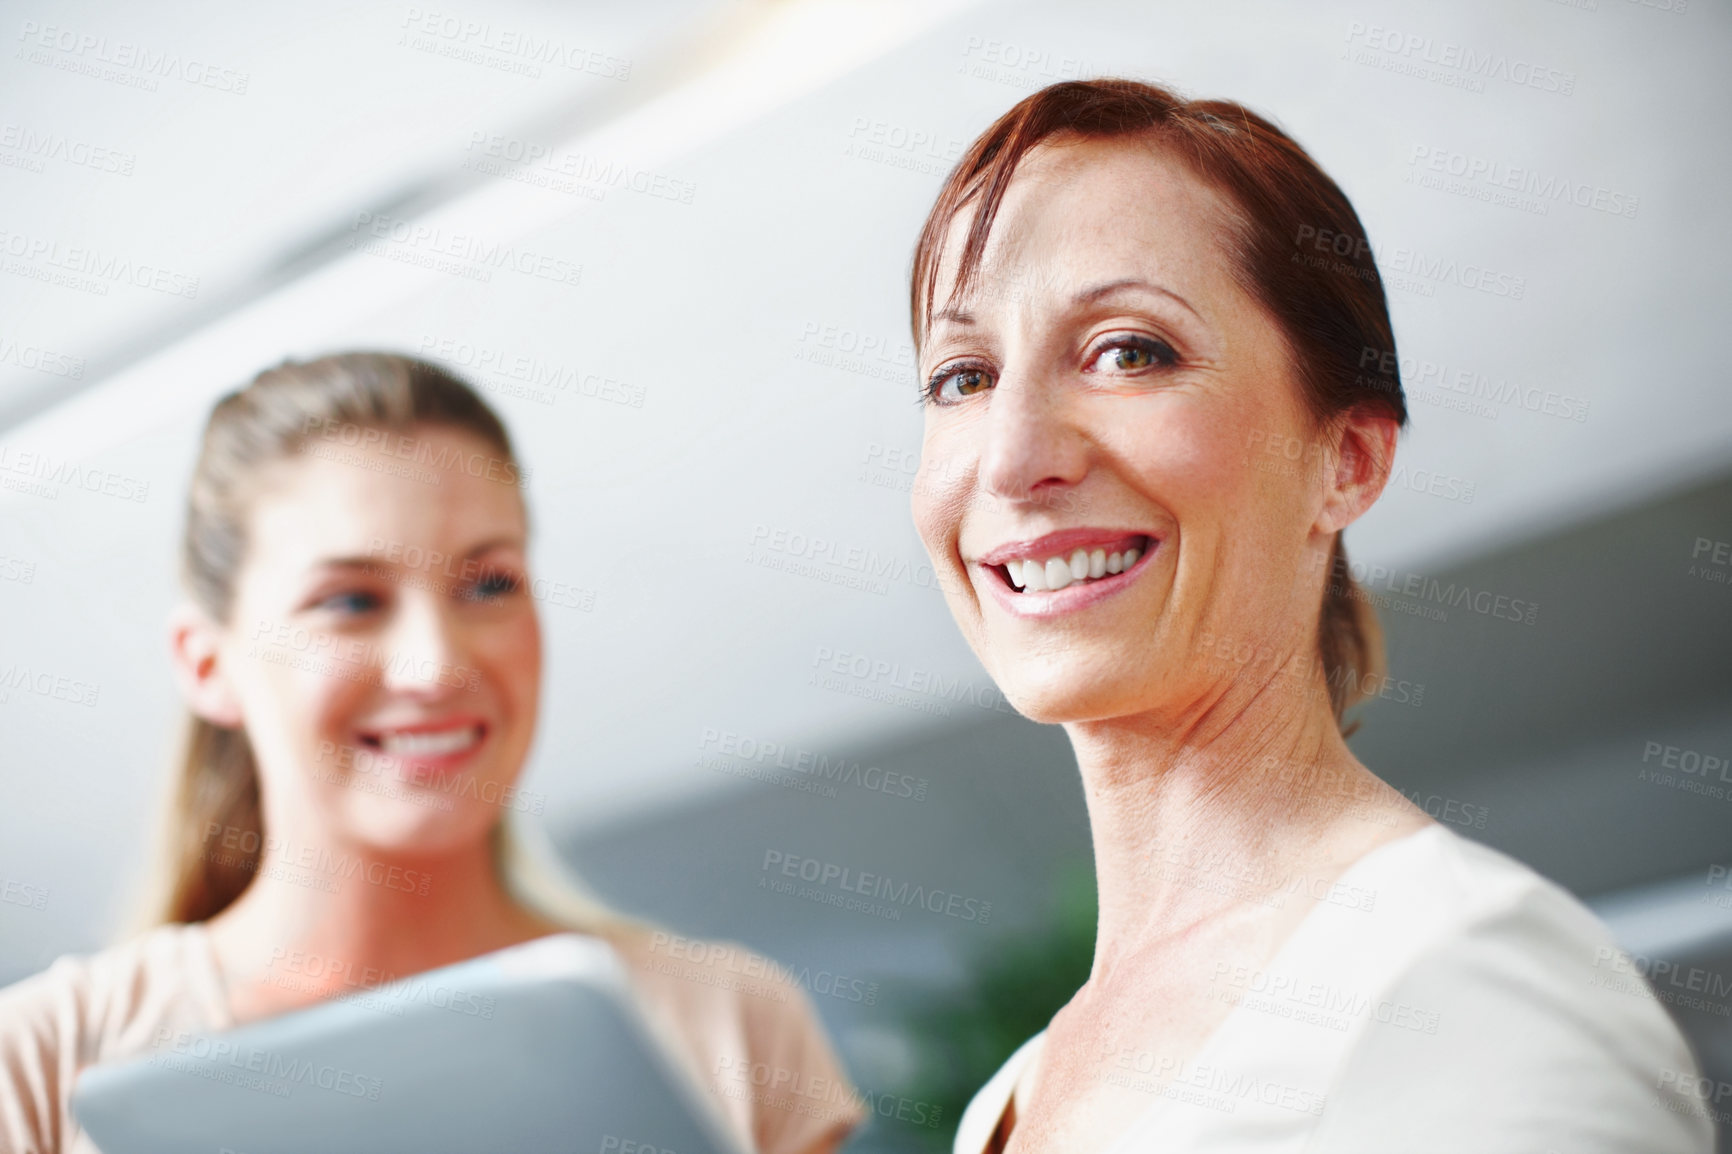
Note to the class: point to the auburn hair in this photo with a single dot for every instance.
(1296, 246)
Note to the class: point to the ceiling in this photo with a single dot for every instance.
(730, 314)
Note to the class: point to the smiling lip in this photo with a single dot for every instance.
(1010, 592)
(444, 744)
(1064, 542)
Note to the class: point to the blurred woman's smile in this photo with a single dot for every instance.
(435, 747)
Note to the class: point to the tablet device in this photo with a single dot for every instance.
(535, 1049)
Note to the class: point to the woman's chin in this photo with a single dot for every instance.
(1056, 700)
(399, 825)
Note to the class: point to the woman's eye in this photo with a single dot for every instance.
(950, 385)
(1129, 355)
(351, 602)
(492, 587)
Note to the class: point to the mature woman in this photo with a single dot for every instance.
(361, 652)
(1154, 402)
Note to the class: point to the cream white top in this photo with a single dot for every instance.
(727, 1015)
(1475, 1006)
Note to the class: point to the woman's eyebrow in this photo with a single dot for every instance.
(492, 543)
(1093, 293)
(367, 561)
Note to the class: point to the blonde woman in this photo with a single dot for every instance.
(361, 654)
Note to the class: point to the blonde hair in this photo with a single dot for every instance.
(216, 783)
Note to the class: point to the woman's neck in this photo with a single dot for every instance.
(1221, 807)
(323, 918)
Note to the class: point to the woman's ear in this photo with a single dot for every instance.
(195, 647)
(1364, 442)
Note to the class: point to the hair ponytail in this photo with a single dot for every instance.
(213, 836)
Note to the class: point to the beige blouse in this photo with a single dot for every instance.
(726, 1014)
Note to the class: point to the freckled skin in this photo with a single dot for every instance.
(1147, 408)
(1166, 450)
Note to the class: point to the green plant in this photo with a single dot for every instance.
(962, 1033)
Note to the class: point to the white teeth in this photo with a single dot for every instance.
(430, 744)
(1031, 576)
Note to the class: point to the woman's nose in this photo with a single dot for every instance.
(423, 651)
(1034, 448)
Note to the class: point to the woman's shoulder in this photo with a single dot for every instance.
(106, 990)
(750, 1032)
(713, 980)
(1458, 918)
(721, 967)
(1423, 891)
(1501, 1004)
(1497, 930)
(88, 1008)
